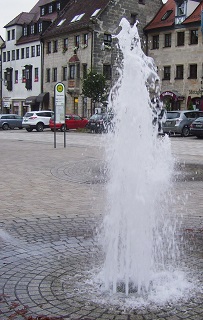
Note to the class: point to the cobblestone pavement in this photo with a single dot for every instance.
(51, 206)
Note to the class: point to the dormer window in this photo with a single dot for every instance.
(25, 31)
(32, 29)
(40, 27)
(42, 11)
(181, 8)
(50, 9)
(58, 6)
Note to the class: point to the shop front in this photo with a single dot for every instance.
(195, 99)
(172, 100)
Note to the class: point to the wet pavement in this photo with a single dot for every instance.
(52, 203)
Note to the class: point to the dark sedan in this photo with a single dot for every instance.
(196, 127)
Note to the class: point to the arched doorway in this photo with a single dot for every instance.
(171, 100)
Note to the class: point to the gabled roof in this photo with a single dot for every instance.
(80, 13)
(27, 17)
(195, 16)
(159, 21)
(23, 17)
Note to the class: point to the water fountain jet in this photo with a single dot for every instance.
(139, 229)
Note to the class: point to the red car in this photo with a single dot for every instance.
(73, 121)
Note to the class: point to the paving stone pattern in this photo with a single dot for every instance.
(52, 201)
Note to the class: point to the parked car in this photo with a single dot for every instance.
(196, 127)
(37, 120)
(100, 122)
(72, 121)
(10, 121)
(178, 122)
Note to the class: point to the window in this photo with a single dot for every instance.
(22, 53)
(28, 77)
(36, 74)
(55, 49)
(16, 76)
(49, 47)
(166, 15)
(64, 71)
(65, 43)
(9, 79)
(167, 73)
(48, 73)
(155, 42)
(58, 6)
(27, 52)
(50, 9)
(77, 17)
(107, 39)
(77, 41)
(4, 56)
(180, 38)
(17, 54)
(38, 50)
(107, 71)
(13, 34)
(54, 74)
(8, 56)
(25, 31)
(133, 18)
(32, 51)
(32, 29)
(194, 36)
(8, 35)
(181, 8)
(193, 71)
(84, 70)
(167, 42)
(13, 55)
(40, 27)
(42, 11)
(85, 39)
(61, 22)
(23, 76)
(72, 72)
(179, 72)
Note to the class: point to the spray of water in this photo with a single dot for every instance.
(139, 227)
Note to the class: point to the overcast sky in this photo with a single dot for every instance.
(11, 8)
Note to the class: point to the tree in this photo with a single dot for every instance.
(94, 87)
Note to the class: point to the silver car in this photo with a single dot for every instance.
(10, 121)
(178, 122)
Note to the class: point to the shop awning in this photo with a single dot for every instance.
(31, 100)
(43, 97)
(175, 95)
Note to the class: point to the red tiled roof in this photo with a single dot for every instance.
(196, 15)
(72, 9)
(157, 22)
(74, 58)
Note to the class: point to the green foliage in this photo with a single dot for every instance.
(94, 86)
(190, 105)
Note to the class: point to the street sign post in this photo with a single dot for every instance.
(59, 109)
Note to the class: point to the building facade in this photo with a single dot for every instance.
(81, 40)
(22, 58)
(175, 42)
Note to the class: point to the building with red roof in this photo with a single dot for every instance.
(175, 42)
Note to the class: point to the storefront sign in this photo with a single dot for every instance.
(196, 92)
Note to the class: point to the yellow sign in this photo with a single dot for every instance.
(59, 88)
